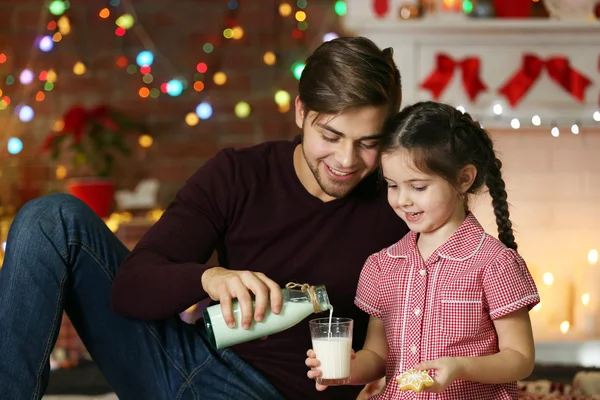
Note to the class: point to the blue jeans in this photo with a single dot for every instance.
(61, 256)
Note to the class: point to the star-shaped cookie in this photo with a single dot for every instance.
(414, 380)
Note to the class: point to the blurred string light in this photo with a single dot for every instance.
(14, 145)
(174, 87)
(79, 68)
(125, 20)
(61, 172)
(25, 113)
(554, 127)
(58, 7)
(282, 97)
(145, 58)
(145, 140)
(300, 16)
(201, 67)
(238, 33)
(191, 119)
(297, 69)
(220, 78)
(64, 25)
(242, 109)
(340, 8)
(283, 101)
(330, 36)
(467, 6)
(204, 110)
(269, 58)
(26, 76)
(285, 10)
(46, 44)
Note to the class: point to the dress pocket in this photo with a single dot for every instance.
(461, 313)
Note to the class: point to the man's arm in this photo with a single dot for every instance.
(163, 275)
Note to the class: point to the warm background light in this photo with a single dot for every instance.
(593, 256)
(548, 278)
(585, 299)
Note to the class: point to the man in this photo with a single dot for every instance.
(310, 210)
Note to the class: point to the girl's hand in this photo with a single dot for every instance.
(447, 371)
(313, 363)
(314, 373)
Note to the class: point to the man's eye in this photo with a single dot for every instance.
(370, 145)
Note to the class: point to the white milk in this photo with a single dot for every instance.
(334, 356)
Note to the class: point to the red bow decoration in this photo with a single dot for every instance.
(76, 119)
(559, 69)
(437, 81)
(381, 7)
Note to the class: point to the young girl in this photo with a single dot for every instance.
(447, 298)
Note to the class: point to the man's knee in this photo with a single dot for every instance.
(50, 206)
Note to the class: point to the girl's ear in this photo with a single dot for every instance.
(467, 177)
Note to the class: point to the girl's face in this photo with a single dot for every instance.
(426, 202)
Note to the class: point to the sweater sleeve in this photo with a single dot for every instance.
(162, 275)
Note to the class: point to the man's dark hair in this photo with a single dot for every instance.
(350, 72)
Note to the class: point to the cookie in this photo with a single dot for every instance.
(414, 380)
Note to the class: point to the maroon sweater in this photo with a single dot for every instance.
(250, 206)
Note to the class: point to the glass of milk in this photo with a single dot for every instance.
(332, 343)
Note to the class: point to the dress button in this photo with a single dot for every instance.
(413, 349)
(417, 311)
(423, 272)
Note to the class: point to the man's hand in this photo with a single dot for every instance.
(225, 285)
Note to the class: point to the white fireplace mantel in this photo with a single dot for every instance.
(500, 46)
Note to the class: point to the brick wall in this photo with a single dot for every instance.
(178, 29)
(553, 186)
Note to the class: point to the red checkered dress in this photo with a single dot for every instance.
(444, 307)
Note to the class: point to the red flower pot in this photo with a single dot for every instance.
(513, 8)
(97, 193)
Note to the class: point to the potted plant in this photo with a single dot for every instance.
(91, 140)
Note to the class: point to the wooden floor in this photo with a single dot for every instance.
(77, 397)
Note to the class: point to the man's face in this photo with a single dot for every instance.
(339, 150)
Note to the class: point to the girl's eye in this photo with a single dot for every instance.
(419, 188)
(391, 186)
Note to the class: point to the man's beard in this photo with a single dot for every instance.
(334, 189)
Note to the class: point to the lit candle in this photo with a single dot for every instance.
(592, 294)
(451, 5)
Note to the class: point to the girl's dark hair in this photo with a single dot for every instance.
(350, 72)
(442, 140)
